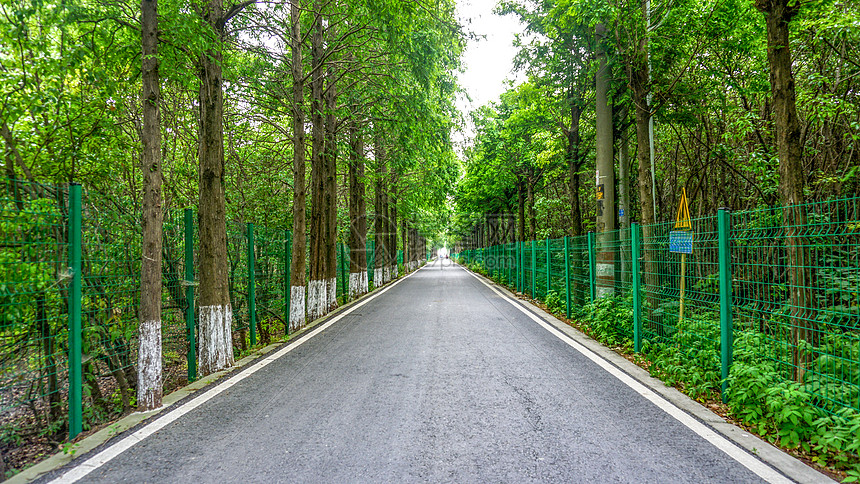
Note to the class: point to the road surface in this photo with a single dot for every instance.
(436, 379)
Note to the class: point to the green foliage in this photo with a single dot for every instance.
(689, 356)
(554, 302)
(11, 434)
(781, 411)
(609, 319)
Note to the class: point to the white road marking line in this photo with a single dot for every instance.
(128, 442)
(743, 457)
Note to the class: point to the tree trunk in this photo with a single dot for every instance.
(49, 365)
(149, 388)
(298, 264)
(380, 215)
(358, 283)
(317, 294)
(392, 231)
(521, 213)
(12, 154)
(215, 313)
(403, 242)
(330, 160)
(624, 181)
(530, 197)
(624, 202)
(573, 165)
(778, 15)
(386, 226)
(637, 73)
(413, 247)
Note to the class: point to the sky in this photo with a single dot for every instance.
(488, 62)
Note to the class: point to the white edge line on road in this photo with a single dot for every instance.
(128, 442)
(750, 462)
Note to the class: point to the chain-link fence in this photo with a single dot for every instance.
(775, 285)
(70, 264)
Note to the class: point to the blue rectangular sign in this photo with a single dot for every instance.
(681, 242)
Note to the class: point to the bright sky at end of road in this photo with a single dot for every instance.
(488, 62)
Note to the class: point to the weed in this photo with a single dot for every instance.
(553, 302)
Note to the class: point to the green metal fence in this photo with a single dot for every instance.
(827, 360)
(69, 293)
(730, 298)
(34, 290)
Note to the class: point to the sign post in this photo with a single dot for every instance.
(681, 242)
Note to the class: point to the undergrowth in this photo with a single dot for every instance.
(758, 396)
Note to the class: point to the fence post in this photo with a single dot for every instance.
(518, 254)
(592, 277)
(567, 275)
(190, 334)
(75, 370)
(252, 296)
(288, 260)
(494, 255)
(726, 330)
(517, 267)
(637, 295)
(534, 266)
(548, 268)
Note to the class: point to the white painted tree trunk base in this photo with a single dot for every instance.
(332, 295)
(377, 277)
(317, 296)
(355, 280)
(297, 307)
(149, 389)
(215, 338)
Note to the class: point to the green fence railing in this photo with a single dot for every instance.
(69, 292)
(733, 291)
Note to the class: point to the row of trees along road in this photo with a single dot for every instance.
(713, 96)
(319, 115)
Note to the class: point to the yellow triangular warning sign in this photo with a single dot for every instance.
(682, 220)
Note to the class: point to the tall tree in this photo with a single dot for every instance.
(557, 58)
(299, 254)
(392, 224)
(317, 292)
(380, 208)
(149, 388)
(330, 165)
(358, 283)
(215, 312)
(778, 15)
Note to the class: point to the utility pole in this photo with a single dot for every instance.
(605, 174)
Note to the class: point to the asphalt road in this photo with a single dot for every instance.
(438, 379)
